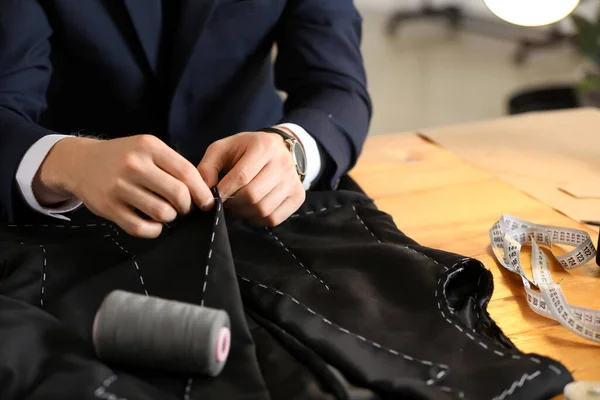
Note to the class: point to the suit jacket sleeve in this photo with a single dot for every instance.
(25, 71)
(319, 65)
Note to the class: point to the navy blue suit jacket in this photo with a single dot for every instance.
(91, 67)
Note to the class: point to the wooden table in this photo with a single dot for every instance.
(442, 202)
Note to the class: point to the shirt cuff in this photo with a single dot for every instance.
(313, 157)
(28, 168)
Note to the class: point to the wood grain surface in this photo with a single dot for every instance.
(442, 202)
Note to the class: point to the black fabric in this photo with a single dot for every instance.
(338, 304)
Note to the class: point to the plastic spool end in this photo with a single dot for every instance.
(95, 331)
(223, 344)
(582, 390)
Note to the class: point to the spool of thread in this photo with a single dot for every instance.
(151, 332)
(582, 390)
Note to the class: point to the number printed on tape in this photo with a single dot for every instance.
(509, 234)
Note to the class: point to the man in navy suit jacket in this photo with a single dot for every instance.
(143, 105)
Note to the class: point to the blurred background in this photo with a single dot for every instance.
(440, 62)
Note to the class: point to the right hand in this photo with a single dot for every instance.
(115, 177)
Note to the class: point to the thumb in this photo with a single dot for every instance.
(216, 158)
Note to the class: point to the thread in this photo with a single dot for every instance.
(146, 331)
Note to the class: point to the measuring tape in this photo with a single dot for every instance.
(509, 234)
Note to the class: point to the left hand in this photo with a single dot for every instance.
(261, 183)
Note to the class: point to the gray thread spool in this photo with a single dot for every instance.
(151, 332)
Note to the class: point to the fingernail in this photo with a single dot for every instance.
(208, 205)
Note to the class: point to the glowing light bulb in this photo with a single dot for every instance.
(531, 12)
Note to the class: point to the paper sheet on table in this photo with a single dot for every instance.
(552, 156)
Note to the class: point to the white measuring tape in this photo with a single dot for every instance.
(509, 234)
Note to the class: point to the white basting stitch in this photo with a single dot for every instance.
(440, 375)
(459, 328)
(516, 384)
(430, 382)
(101, 391)
(553, 368)
(188, 389)
(365, 225)
(399, 245)
(362, 338)
(534, 375)
(311, 273)
(210, 251)
(497, 352)
(135, 264)
(43, 276)
(316, 212)
(516, 357)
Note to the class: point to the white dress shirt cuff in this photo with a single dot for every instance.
(28, 168)
(313, 157)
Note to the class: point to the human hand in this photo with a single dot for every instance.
(261, 183)
(115, 177)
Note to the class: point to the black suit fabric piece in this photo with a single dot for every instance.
(333, 303)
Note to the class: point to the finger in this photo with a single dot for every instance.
(263, 183)
(267, 205)
(217, 157)
(133, 224)
(177, 166)
(243, 172)
(290, 205)
(153, 206)
(165, 185)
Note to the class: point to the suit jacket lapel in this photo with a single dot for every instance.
(194, 14)
(146, 16)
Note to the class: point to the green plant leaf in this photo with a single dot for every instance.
(588, 35)
(589, 83)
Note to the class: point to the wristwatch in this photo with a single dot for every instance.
(295, 147)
